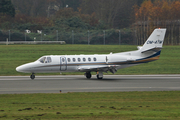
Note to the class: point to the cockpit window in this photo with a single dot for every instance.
(42, 60)
(45, 60)
(49, 59)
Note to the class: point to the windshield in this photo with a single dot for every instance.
(45, 60)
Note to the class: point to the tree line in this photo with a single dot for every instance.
(65, 16)
(138, 17)
(114, 13)
(158, 14)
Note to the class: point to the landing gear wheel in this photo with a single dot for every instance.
(99, 77)
(88, 75)
(32, 76)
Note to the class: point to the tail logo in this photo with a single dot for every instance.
(154, 42)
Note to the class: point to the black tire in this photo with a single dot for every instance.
(99, 77)
(88, 75)
(32, 76)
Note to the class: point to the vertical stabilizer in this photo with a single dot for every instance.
(155, 40)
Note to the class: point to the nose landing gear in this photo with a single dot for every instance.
(32, 76)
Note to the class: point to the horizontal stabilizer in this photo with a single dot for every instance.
(155, 49)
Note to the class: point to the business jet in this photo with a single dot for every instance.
(150, 51)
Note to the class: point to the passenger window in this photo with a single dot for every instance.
(69, 60)
(62, 59)
(84, 59)
(89, 59)
(79, 60)
(95, 59)
(74, 60)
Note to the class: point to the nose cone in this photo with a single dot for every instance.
(26, 68)
(20, 69)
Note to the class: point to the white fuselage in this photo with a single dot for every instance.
(75, 63)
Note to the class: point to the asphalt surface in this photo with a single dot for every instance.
(78, 83)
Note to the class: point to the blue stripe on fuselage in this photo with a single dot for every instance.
(156, 54)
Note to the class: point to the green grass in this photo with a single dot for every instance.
(161, 105)
(12, 56)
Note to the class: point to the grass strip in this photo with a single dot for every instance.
(158, 105)
(14, 55)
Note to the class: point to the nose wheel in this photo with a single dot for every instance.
(32, 76)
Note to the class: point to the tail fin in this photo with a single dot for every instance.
(155, 41)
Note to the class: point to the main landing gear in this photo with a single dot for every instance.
(88, 75)
(32, 76)
(99, 75)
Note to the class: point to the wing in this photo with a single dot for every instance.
(95, 68)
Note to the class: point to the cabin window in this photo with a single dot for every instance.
(74, 60)
(95, 59)
(84, 59)
(69, 60)
(89, 59)
(79, 60)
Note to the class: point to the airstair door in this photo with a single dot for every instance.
(63, 63)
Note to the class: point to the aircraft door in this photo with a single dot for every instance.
(63, 64)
